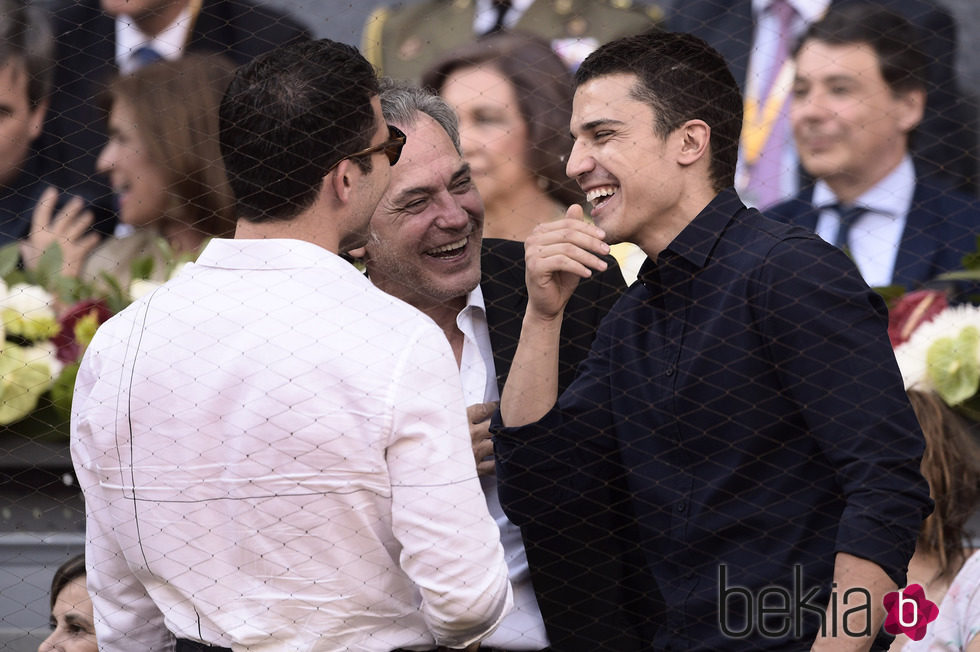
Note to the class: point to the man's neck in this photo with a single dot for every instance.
(152, 23)
(667, 226)
(294, 229)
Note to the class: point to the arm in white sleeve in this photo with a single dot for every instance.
(125, 617)
(451, 545)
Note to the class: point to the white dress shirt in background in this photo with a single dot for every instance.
(523, 628)
(275, 457)
(875, 236)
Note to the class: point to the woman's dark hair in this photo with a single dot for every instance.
(543, 87)
(951, 465)
(65, 574)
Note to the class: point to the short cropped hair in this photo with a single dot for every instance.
(402, 102)
(896, 42)
(26, 39)
(681, 78)
(287, 117)
(543, 87)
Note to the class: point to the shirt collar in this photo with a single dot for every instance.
(892, 196)
(809, 10)
(169, 43)
(695, 242)
(272, 253)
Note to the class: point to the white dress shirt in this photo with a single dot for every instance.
(875, 236)
(485, 16)
(523, 628)
(169, 43)
(275, 457)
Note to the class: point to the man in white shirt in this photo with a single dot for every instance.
(274, 454)
(858, 94)
(426, 248)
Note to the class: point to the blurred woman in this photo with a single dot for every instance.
(944, 564)
(72, 622)
(513, 96)
(164, 164)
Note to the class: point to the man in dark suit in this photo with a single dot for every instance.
(859, 93)
(426, 249)
(946, 140)
(97, 40)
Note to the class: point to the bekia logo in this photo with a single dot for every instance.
(776, 612)
(909, 612)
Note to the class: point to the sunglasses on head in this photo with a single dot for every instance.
(391, 147)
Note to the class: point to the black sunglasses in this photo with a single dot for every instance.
(392, 148)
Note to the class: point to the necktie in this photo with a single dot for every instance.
(144, 55)
(502, 7)
(767, 170)
(847, 215)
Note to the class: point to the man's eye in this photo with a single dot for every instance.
(463, 185)
(602, 134)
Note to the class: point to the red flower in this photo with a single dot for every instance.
(69, 348)
(913, 310)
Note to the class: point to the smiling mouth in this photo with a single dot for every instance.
(599, 196)
(449, 250)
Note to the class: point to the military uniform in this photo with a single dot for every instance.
(404, 40)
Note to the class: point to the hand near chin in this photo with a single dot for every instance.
(558, 254)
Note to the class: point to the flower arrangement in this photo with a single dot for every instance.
(46, 322)
(937, 347)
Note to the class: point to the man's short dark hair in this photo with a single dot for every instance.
(896, 42)
(681, 78)
(26, 39)
(287, 117)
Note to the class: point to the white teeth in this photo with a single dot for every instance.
(596, 193)
(449, 247)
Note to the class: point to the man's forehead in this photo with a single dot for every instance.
(13, 76)
(428, 158)
(609, 97)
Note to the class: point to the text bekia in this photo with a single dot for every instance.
(775, 611)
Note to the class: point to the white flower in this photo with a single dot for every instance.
(942, 355)
(28, 311)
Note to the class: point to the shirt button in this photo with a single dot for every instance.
(681, 507)
(670, 371)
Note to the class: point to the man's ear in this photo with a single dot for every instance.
(35, 123)
(338, 184)
(358, 254)
(694, 136)
(911, 107)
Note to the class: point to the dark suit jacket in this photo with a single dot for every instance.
(942, 226)
(75, 130)
(574, 568)
(945, 140)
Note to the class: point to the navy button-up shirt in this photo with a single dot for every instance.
(746, 387)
